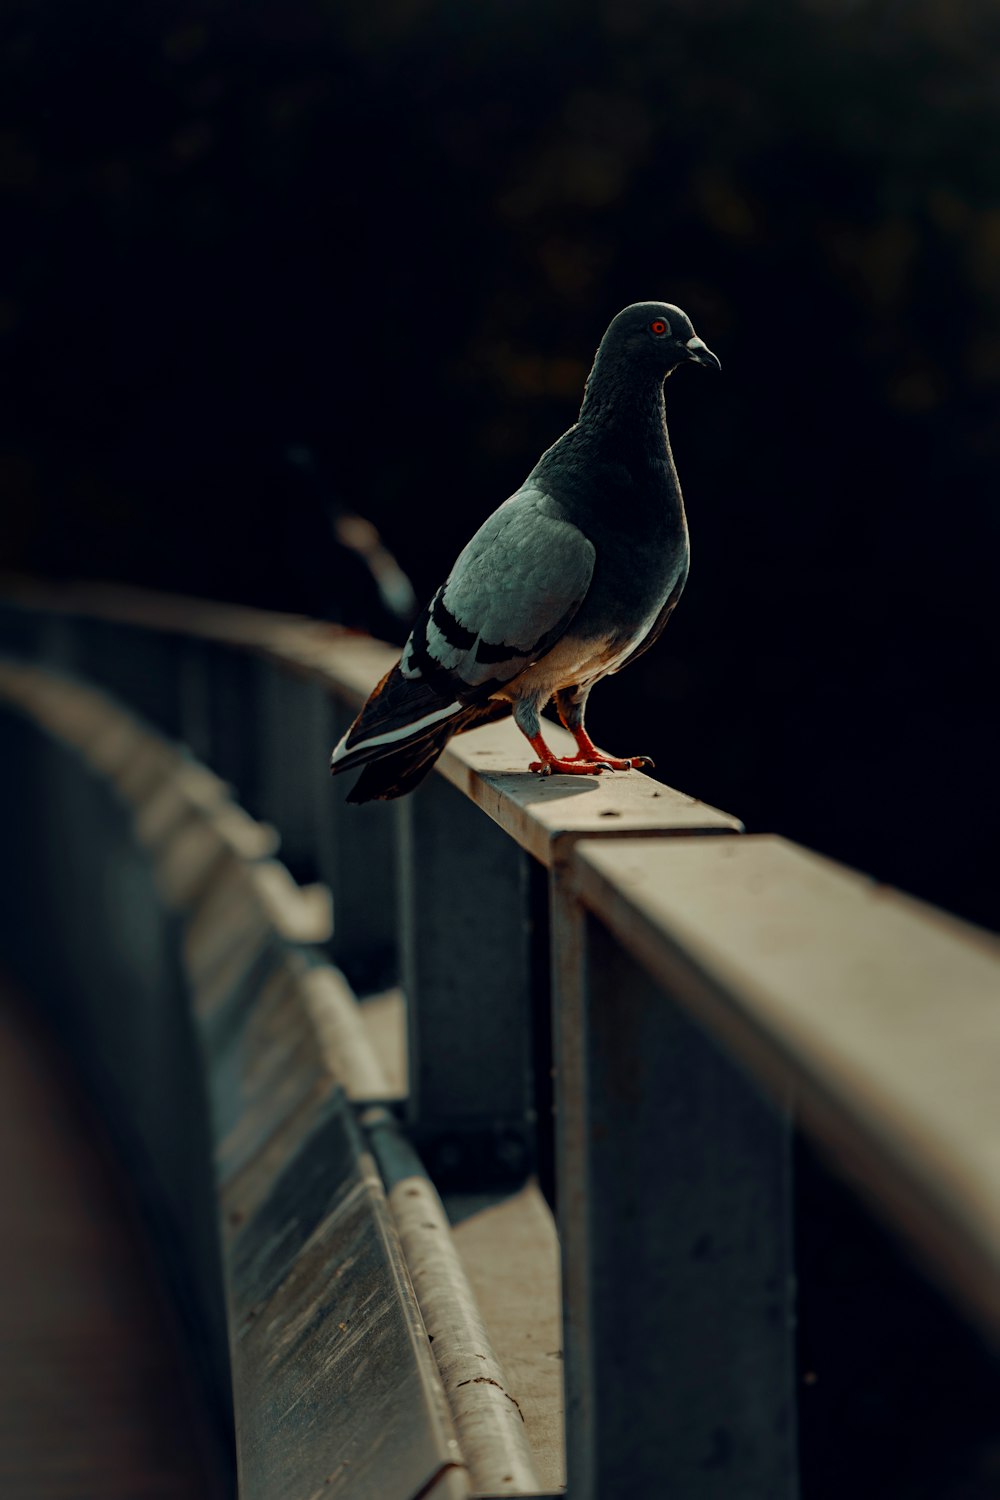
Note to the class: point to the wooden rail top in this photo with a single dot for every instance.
(547, 814)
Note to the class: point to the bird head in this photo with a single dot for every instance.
(658, 336)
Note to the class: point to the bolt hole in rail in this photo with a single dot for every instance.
(694, 990)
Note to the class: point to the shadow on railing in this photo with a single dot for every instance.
(697, 988)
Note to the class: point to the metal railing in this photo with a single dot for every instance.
(704, 988)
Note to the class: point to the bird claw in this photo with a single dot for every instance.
(556, 767)
(621, 763)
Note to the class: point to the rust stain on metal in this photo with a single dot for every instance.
(488, 1380)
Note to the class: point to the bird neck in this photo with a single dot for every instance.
(630, 403)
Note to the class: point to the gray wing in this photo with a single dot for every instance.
(510, 596)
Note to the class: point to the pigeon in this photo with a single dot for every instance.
(567, 582)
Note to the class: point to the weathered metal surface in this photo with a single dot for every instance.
(183, 790)
(189, 857)
(466, 974)
(282, 1035)
(487, 1415)
(264, 1137)
(243, 1184)
(879, 1015)
(675, 1223)
(302, 914)
(508, 1245)
(169, 799)
(239, 910)
(145, 769)
(383, 1018)
(336, 1388)
(114, 744)
(340, 1032)
(224, 935)
(57, 703)
(261, 1062)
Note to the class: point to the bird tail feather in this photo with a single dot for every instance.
(397, 773)
(400, 711)
(400, 733)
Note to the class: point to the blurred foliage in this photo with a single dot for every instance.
(395, 230)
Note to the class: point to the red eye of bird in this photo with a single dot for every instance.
(658, 327)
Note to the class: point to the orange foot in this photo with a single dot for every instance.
(555, 766)
(616, 762)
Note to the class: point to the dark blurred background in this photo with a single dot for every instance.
(394, 231)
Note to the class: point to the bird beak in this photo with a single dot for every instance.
(699, 351)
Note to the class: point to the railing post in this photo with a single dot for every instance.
(233, 719)
(674, 1200)
(293, 776)
(466, 955)
(356, 848)
(195, 694)
(138, 665)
